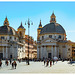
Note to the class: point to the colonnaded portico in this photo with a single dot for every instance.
(48, 51)
(7, 52)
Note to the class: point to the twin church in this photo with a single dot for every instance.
(52, 42)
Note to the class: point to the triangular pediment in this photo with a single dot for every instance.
(48, 40)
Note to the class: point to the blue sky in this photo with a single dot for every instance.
(21, 11)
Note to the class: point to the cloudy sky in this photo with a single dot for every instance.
(21, 11)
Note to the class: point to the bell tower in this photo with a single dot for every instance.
(6, 22)
(53, 18)
(21, 32)
(39, 30)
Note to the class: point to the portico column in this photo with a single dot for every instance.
(6, 52)
(3, 52)
(52, 51)
(55, 52)
(45, 52)
(58, 51)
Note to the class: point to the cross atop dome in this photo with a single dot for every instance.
(53, 18)
(40, 25)
(6, 22)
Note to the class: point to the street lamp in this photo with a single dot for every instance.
(28, 22)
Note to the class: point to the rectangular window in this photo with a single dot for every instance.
(2, 37)
(50, 36)
(10, 37)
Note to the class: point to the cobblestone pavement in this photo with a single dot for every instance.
(38, 67)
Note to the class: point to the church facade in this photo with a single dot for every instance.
(12, 42)
(52, 42)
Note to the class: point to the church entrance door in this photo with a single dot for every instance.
(10, 56)
(1, 55)
(49, 55)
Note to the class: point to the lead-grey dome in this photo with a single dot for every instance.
(52, 28)
(7, 30)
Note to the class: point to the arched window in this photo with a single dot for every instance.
(69, 49)
(20, 33)
(42, 37)
(60, 36)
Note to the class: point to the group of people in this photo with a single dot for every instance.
(13, 63)
(47, 61)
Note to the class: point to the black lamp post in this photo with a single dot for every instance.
(29, 23)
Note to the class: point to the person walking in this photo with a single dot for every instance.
(53, 61)
(0, 63)
(47, 63)
(44, 61)
(6, 62)
(50, 63)
(10, 61)
(15, 64)
(12, 65)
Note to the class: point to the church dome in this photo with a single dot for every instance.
(52, 28)
(7, 30)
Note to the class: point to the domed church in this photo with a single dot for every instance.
(52, 42)
(12, 42)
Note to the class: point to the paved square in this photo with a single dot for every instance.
(38, 67)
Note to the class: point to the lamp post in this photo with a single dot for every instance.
(29, 23)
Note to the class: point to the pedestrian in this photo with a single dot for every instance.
(15, 64)
(10, 61)
(0, 63)
(47, 63)
(12, 65)
(56, 60)
(50, 63)
(44, 61)
(6, 62)
(53, 61)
